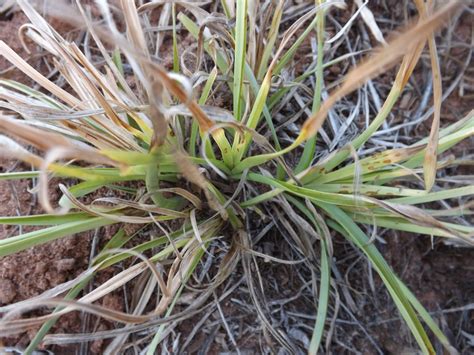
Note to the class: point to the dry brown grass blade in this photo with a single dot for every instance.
(13, 326)
(205, 123)
(32, 73)
(409, 61)
(121, 278)
(158, 119)
(121, 217)
(110, 285)
(134, 28)
(177, 274)
(84, 79)
(129, 94)
(119, 131)
(383, 59)
(194, 200)
(56, 146)
(36, 18)
(48, 141)
(408, 65)
(419, 217)
(20, 325)
(99, 139)
(160, 74)
(288, 35)
(154, 87)
(121, 203)
(34, 136)
(430, 163)
(104, 85)
(9, 149)
(432, 149)
(196, 306)
(157, 72)
(64, 12)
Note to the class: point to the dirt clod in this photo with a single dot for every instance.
(65, 264)
(7, 291)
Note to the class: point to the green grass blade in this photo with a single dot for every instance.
(430, 322)
(313, 195)
(435, 196)
(401, 224)
(272, 36)
(152, 181)
(323, 301)
(44, 219)
(117, 60)
(175, 40)
(24, 241)
(239, 57)
(17, 175)
(266, 112)
(366, 189)
(285, 59)
(223, 66)
(195, 127)
(310, 145)
(358, 237)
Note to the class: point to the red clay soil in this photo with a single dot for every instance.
(33, 271)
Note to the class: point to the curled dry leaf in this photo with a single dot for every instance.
(369, 20)
(98, 211)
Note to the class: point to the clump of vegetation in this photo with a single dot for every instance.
(204, 173)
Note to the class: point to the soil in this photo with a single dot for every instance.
(440, 275)
(33, 271)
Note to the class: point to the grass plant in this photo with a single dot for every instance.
(201, 173)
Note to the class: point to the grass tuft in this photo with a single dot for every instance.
(195, 173)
